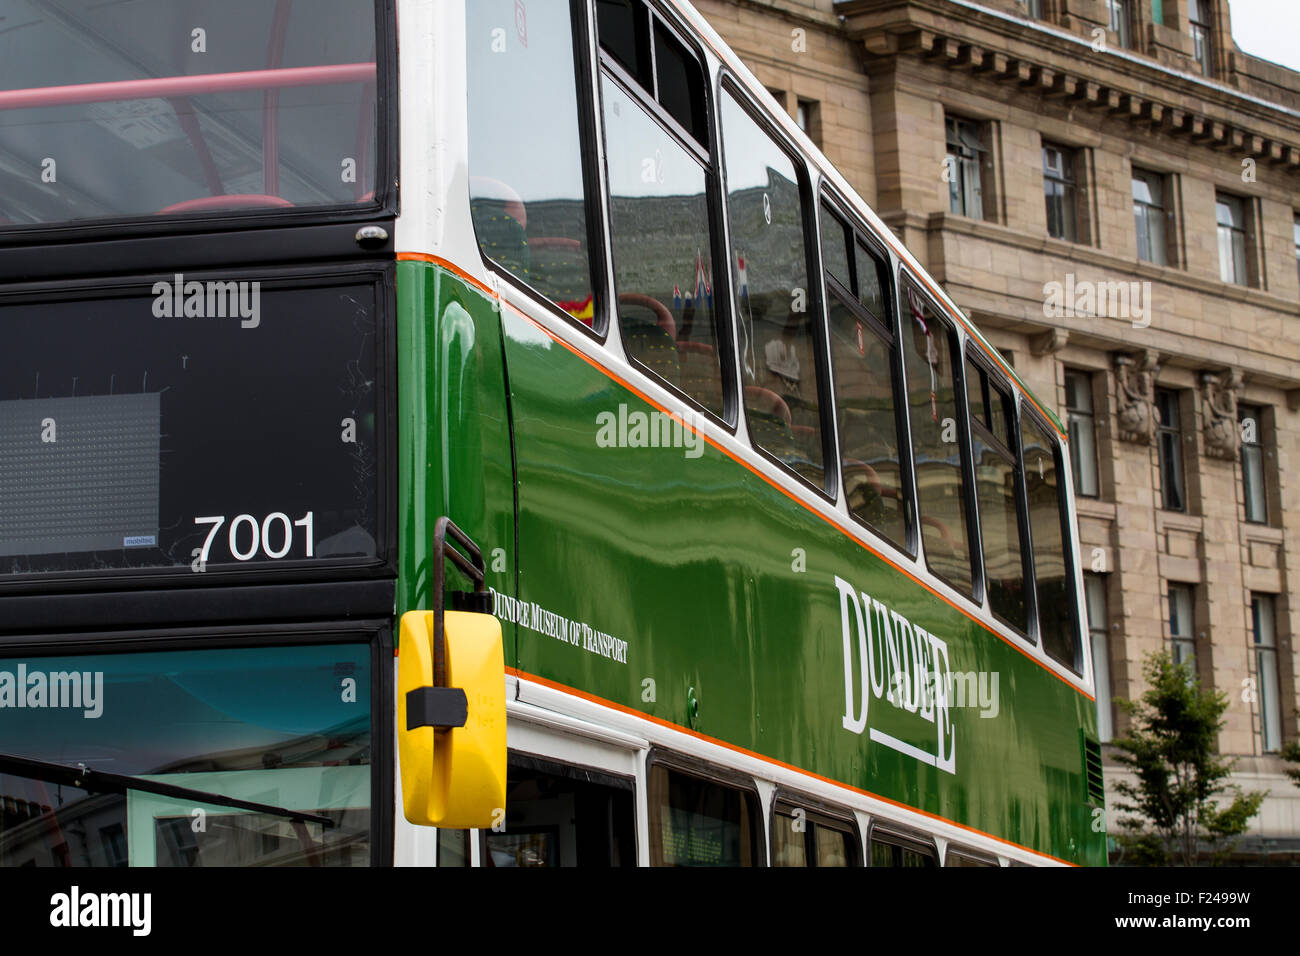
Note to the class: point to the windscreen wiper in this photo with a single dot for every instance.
(98, 781)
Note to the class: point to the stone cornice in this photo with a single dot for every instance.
(795, 12)
(1050, 65)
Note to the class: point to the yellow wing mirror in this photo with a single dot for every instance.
(451, 702)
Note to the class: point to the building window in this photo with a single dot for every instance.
(1231, 214)
(1060, 191)
(1252, 463)
(1034, 8)
(1083, 432)
(1198, 15)
(807, 114)
(1121, 21)
(1149, 215)
(1295, 235)
(1094, 590)
(1181, 626)
(1170, 438)
(1270, 698)
(967, 151)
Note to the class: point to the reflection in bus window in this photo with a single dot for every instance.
(1051, 571)
(266, 724)
(773, 309)
(997, 491)
(862, 359)
(870, 287)
(834, 847)
(192, 141)
(937, 441)
(562, 816)
(699, 822)
(835, 247)
(453, 847)
(800, 839)
(526, 165)
(659, 225)
(890, 851)
(789, 840)
(954, 858)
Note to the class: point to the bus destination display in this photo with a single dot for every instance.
(138, 435)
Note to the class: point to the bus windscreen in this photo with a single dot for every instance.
(159, 108)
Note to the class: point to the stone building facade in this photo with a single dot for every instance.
(1111, 189)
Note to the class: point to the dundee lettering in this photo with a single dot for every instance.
(901, 664)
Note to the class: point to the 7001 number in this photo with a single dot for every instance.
(272, 536)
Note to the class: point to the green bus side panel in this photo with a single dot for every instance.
(453, 432)
(722, 587)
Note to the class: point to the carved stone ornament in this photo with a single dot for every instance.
(1049, 342)
(1135, 383)
(1219, 413)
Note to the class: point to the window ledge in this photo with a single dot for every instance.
(1094, 508)
(1260, 532)
(1174, 520)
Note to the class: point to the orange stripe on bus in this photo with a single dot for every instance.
(830, 521)
(592, 698)
(449, 266)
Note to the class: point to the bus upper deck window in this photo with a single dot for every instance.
(1052, 573)
(938, 444)
(623, 26)
(673, 76)
(148, 108)
(778, 337)
(863, 360)
(527, 192)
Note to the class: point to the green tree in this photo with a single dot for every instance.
(1174, 806)
(1291, 754)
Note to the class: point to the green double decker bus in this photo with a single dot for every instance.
(489, 433)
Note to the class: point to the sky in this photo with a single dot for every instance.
(1268, 29)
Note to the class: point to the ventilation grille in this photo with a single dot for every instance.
(1094, 786)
